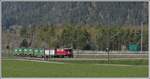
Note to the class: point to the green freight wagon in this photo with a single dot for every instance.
(39, 52)
(42, 52)
(20, 51)
(16, 51)
(30, 52)
(25, 50)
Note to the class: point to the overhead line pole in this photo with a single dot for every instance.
(141, 37)
(142, 32)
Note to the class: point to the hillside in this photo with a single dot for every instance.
(89, 13)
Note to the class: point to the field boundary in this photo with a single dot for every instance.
(53, 62)
(56, 62)
(41, 61)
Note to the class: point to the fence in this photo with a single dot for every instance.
(103, 52)
(111, 54)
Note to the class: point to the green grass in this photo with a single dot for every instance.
(16, 68)
(122, 61)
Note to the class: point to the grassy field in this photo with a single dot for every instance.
(105, 61)
(19, 68)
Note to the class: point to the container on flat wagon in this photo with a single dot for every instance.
(52, 52)
(39, 52)
(16, 50)
(36, 51)
(20, 51)
(30, 51)
(47, 52)
(25, 50)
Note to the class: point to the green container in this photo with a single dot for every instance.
(41, 52)
(20, 51)
(25, 50)
(38, 52)
(16, 50)
(30, 51)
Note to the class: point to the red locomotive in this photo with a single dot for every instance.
(64, 52)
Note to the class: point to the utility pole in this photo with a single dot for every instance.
(141, 37)
(107, 49)
(142, 30)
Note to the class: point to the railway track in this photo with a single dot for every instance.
(91, 56)
(61, 59)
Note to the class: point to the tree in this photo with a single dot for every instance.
(101, 36)
(24, 32)
(24, 43)
(67, 36)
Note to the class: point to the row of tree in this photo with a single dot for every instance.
(84, 38)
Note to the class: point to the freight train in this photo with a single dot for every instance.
(41, 52)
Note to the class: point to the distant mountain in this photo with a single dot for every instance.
(101, 13)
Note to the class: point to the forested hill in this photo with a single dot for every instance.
(92, 13)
